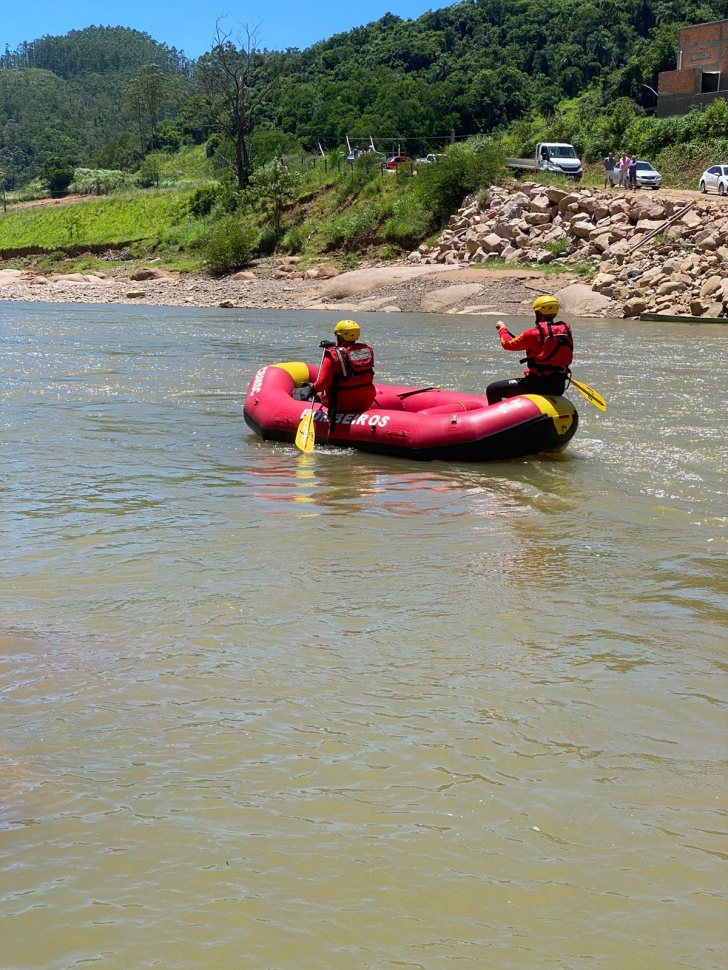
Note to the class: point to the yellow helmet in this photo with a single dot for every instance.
(347, 330)
(548, 305)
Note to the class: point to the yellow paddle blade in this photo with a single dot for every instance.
(306, 434)
(592, 397)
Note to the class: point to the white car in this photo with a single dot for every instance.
(428, 159)
(715, 179)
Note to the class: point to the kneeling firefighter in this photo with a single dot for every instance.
(346, 377)
(549, 348)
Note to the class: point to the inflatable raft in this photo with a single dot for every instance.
(412, 422)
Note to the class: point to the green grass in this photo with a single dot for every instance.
(548, 269)
(107, 220)
(189, 164)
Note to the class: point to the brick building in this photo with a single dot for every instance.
(702, 70)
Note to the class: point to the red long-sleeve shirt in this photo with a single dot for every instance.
(529, 340)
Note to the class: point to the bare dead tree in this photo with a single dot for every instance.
(235, 82)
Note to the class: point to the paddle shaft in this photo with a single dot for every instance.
(420, 390)
(307, 421)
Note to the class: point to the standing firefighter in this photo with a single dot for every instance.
(549, 349)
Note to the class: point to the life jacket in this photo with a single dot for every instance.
(354, 365)
(557, 350)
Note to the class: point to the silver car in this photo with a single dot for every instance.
(715, 179)
(647, 176)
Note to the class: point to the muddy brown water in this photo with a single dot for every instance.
(266, 710)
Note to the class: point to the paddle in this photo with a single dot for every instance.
(306, 433)
(592, 397)
(420, 390)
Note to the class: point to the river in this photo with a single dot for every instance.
(341, 711)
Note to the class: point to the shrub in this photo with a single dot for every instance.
(482, 197)
(297, 236)
(203, 200)
(465, 168)
(408, 224)
(349, 231)
(229, 245)
(223, 195)
(267, 241)
(99, 181)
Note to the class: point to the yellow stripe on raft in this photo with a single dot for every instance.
(297, 370)
(560, 409)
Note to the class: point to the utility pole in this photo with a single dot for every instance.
(452, 136)
(2, 185)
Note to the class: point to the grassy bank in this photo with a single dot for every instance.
(318, 209)
(108, 220)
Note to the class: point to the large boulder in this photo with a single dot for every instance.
(582, 230)
(579, 300)
(633, 307)
(568, 200)
(555, 195)
(710, 286)
(148, 273)
(492, 244)
(437, 300)
(670, 287)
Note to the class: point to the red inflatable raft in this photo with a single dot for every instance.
(413, 423)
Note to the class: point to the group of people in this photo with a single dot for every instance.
(345, 380)
(626, 169)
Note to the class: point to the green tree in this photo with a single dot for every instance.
(145, 97)
(270, 188)
(150, 170)
(57, 173)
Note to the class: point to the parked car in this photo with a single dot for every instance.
(715, 179)
(647, 176)
(396, 160)
(429, 159)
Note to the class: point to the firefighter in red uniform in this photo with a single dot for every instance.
(549, 349)
(346, 377)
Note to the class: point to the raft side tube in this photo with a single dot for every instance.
(444, 425)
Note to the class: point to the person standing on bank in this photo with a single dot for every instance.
(609, 164)
(549, 348)
(632, 173)
(623, 170)
(345, 379)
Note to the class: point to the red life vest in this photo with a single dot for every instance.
(557, 349)
(354, 365)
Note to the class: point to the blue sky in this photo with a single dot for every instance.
(189, 25)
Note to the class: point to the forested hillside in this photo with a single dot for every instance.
(64, 95)
(473, 67)
(479, 65)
